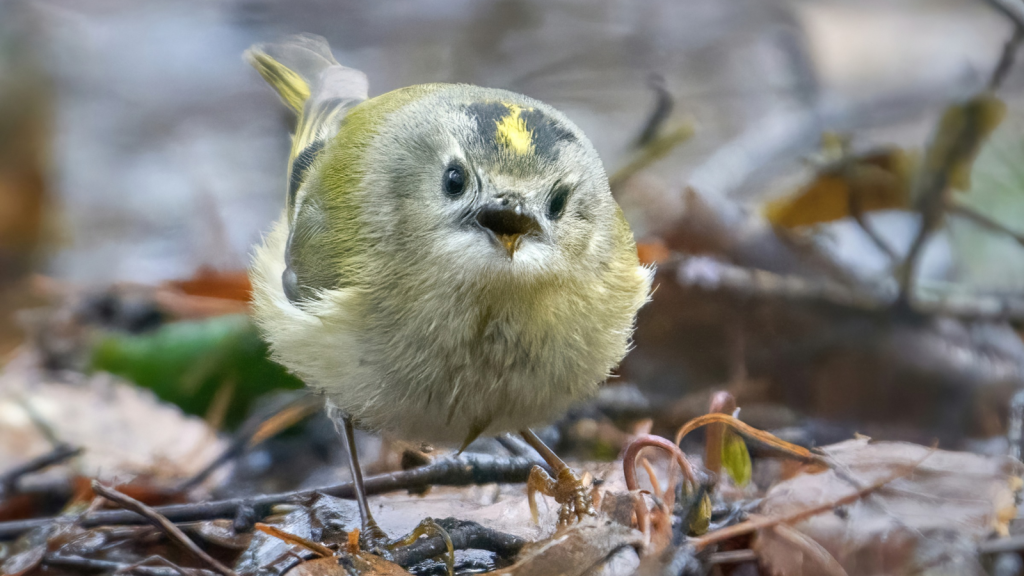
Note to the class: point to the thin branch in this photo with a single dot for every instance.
(85, 565)
(161, 522)
(663, 104)
(463, 470)
(968, 213)
(651, 152)
(316, 547)
(1014, 543)
(255, 432)
(1012, 9)
(1007, 57)
(60, 453)
(732, 557)
(704, 273)
(749, 526)
(958, 137)
(855, 199)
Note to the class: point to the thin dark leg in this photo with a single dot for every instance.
(549, 456)
(372, 536)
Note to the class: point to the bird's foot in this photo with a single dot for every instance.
(373, 539)
(572, 494)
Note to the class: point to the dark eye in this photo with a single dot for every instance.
(558, 201)
(454, 181)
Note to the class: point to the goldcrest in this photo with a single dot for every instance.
(450, 261)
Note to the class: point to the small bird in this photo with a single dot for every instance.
(450, 261)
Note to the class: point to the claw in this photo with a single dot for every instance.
(372, 538)
(571, 493)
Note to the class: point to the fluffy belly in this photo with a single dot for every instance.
(436, 392)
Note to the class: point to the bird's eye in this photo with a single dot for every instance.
(558, 201)
(454, 181)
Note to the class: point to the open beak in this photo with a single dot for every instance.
(507, 224)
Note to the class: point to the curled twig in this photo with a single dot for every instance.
(154, 517)
(748, 431)
(641, 442)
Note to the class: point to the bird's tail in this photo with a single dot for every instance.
(312, 83)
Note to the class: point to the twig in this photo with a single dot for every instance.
(984, 221)
(464, 535)
(1014, 543)
(255, 432)
(732, 557)
(957, 139)
(1012, 9)
(651, 152)
(1005, 63)
(80, 564)
(60, 453)
(1015, 426)
(39, 422)
(463, 470)
(855, 197)
(641, 442)
(749, 526)
(154, 517)
(770, 440)
(809, 549)
(319, 549)
(663, 104)
(701, 272)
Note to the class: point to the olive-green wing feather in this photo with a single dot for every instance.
(310, 81)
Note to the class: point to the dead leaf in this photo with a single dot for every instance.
(879, 180)
(979, 116)
(345, 565)
(576, 550)
(23, 562)
(123, 430)
(928, 520)
(211, 283)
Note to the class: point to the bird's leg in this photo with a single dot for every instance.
(566, 488)
(371, 537)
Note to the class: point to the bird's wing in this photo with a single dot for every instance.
(310, 81)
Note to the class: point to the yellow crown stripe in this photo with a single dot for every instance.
(513, 132)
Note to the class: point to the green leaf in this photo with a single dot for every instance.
(187, 362)
(736, 459)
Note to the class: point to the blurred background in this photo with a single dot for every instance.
(768, 153)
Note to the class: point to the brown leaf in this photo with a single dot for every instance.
(879, 180)
(361, 564)
(575, 550)
(23, 562)
(932, 517)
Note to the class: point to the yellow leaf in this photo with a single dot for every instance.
(962, 130)
(879, 180)
(736, 459)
